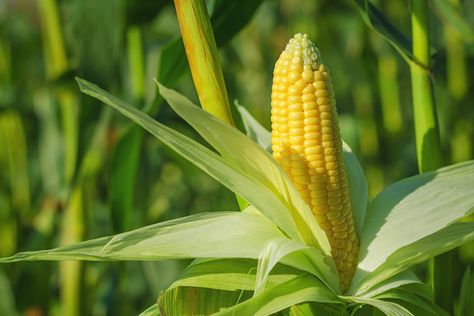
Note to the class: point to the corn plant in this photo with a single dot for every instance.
(274, 254)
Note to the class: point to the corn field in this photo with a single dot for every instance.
(212, 157)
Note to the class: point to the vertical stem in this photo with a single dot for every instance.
(428, 147)
(203, 57)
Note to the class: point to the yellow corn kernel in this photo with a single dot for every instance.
(306, 142)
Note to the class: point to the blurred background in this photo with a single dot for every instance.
(71, 169)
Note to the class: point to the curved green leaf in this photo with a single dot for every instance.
(424, 249)
(216, 166)
(241, 152)
(230, 274)
(198, 301)
(414, 208)
(205, 235)
(305, 288)
(389, 308)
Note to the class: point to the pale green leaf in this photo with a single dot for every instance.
(230, 274)
(424, 249)
(236, 179)
(358, 188)
(151, 311)
(414, 208)
(254, 129)
(240, 151)
(305, 288)
(398, 280)
(197, 301)
(389, 308)
(279, 248)
(205, 235)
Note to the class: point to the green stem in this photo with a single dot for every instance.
(428, 147)
(203, 57)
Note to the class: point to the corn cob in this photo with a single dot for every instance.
(306, 142)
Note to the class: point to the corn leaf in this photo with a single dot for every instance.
(424, 305)
(414, 208)
(277, 249)
(246, 156)
(375, 19)
(230, 274)
(358, 188)
(398, 280)
(198, 301)
(389, 308)
(151, 311)
(254, 129)
(205, 235)
(229, 175)
(305, 288)
(424, 249)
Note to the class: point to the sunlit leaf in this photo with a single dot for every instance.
(230, 274)
(414, 208)
(301, 289)
(240, 151)
(204, 235)
(424, 249)
(151, 311)
(423, 304)
(229, 175)
(198, 301)
(389, 308)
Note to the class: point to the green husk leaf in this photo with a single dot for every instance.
(279, 248)
(414, 208)
(424, 304)
(304, 288)
(398, 280)
(230, 274)
(389, 308)
(205, 235)
(254, 129)
(358, 187)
